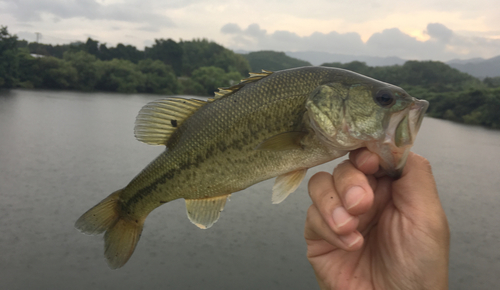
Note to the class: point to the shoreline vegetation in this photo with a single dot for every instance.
(199, 66)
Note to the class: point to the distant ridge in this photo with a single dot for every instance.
(465, 61)
(318, 58)
(478, 67)
(272, 60)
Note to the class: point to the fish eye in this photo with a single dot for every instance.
(384, 99)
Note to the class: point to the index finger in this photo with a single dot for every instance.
(326, 199)
(365, 161)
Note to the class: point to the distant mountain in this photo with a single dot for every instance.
(478, 67)
(272, 60)
(465, 61)
(318, 58)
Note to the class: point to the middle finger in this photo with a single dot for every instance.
(326, 199)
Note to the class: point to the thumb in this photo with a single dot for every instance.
(415, 192)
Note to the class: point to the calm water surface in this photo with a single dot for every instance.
(62, 152)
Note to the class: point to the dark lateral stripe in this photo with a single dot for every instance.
(220, 147)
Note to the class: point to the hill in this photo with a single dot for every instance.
(318, 57)
(480, 68)
(272, 60)
(477, 67)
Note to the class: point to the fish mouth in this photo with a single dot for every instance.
(399, 137)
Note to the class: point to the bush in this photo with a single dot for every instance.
(86, 66)
(159, 77)
(56, 73)
(212, 78)
(120, 75)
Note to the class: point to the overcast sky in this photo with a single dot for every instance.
(423, 29)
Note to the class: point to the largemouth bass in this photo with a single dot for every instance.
(271, 124)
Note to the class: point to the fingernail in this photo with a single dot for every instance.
(353, 196)
(350, 239)
(341, 217)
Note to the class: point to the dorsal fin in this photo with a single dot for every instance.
(253, 78)
(158, 119)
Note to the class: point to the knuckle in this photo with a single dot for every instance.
(317, 183)
(328, 193)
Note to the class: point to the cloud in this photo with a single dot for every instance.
(255, 38)
(439, 31)
(230, 28)
(26, 35)
(443, 43)
(133, 11)
(394, 42)
(254, 30)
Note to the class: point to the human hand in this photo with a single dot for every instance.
(364, 232)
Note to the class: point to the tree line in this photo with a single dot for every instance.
(198, 67)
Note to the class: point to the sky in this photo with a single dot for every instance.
(423, 29)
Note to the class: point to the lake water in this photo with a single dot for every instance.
(62, 152)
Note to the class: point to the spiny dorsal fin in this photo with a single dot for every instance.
(286, 184)
(253, 78)
(204, 212)
(158, 119)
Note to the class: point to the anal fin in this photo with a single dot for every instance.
(286, 184)
(204, 212)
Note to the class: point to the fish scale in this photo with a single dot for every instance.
(271, 124)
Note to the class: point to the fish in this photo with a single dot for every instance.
(271, 124)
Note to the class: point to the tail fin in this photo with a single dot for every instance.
(122, 233)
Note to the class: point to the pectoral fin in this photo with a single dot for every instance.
(205, 212)
(283, 141)
(286, 184)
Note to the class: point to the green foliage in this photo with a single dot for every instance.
(120, 75)
(86, 66)
(102, 52)
(202, 53)
(491, 117)
(273, 61)
(167, 51)
(55, 73)
(27, 65)
(231, 62)
(199, 67)
(45, 49)
(474, 106)
(159, 77)
(493, 82)
(435, 76)
(126, 52)
(92, 47)
(188, 86)
(9, 66)
(211, 78)
(94, 66)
